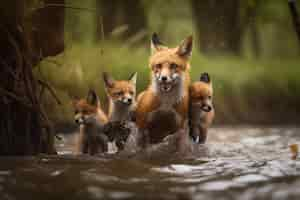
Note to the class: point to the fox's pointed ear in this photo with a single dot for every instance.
(92, 98)
(204, 77)
(108, 80)
(133, 78)
(185, 48)
(156, 44)
(74, 100)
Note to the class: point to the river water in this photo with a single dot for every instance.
(236, 163)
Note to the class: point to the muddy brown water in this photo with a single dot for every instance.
(236, 163)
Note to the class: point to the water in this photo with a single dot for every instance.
(236, 163)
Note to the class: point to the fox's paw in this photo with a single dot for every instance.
(198, 139)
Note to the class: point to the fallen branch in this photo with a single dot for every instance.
(66, 6)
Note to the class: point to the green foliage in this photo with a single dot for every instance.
(246, 87)
(239, 84)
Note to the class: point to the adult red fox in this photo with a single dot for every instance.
(162, 109)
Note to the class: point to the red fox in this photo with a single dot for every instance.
(201, 108)
(121, 94)
(162, 109)
(90, 118)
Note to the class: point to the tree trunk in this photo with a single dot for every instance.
(218, 25)
(24, 126)
(255, 40)
(251, 22)
(48, 28)
(116, 13)
(295, 17)
(106, 21)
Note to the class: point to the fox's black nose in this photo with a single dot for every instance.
(129, 100)
(76, 121)
(164, 78)
(207, 108)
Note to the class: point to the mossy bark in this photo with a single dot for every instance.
(24, 126)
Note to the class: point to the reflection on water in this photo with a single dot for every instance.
(237, 163)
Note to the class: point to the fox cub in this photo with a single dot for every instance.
(201, 108)
(122, 95)
(91, 119)
(162, 109)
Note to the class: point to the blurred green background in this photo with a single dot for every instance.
(249, 47)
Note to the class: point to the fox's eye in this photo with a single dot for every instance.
(76, 112)
(118, 93)
(131, 93)
(201, 98)
(158, 66)
(84, 112)
(173, 66)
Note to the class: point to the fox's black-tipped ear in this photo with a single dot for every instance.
(204, 77)
(156, 44)
(133, 78)
(155, 39)
(92, 98)
(74, 99)
(108, 80)
(185, 48)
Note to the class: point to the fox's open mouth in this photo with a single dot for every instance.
(124, 103)
(79, 121)
(165, 87)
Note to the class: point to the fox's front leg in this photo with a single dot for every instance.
(98, 144)
(194, 132)
(79, 143)
(143, 134)
(143, 138)
(202, 134)
(199, 134)
(183, 140)
(103, 142)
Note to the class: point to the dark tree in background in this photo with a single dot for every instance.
(48, 28)
(112, 14)
(221, 25)
(250, 16)
(218, 25)
(295, 17)
(24, 126)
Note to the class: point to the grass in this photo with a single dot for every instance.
(245, 90)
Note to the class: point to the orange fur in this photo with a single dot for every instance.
(119, 86)
(200, 95)
(121, 95)
(200, 90)
(84, 107)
